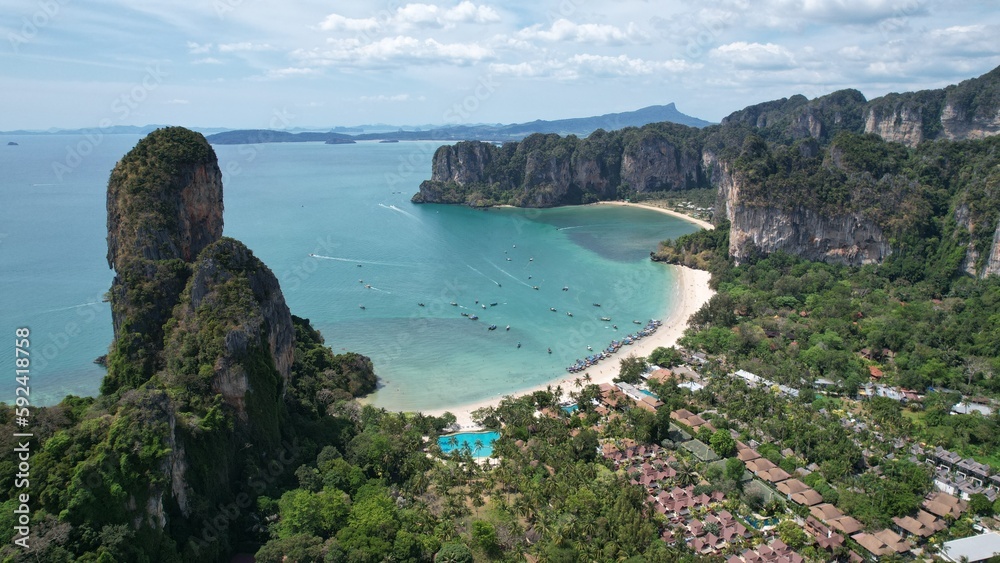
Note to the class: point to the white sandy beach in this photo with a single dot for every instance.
(694, 292)
(665, 211)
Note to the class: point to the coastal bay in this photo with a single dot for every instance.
(315, 213)
(686, 295)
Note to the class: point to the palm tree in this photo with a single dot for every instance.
(685, 473)
(477, 446)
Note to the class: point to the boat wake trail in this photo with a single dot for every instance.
(508, 274)
(353, 261)
(568, 228)
(87, 304)
(398, 210)
(484, 275)
(379, 290)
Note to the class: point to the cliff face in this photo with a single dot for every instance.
(974, 263)
(546, 170)
(992, 267)
(960, 122)
(462, 163)
(656, 164)
(164, 206)
(903, 124)
(204, 342)
(231, 313)
(840, 239)
(844, 239)
(969, 110)
(164, 199)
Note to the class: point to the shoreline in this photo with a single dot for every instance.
(693, 292)
(701, 223)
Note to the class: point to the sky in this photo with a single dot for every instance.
(315, 64)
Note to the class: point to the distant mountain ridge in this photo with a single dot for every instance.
(580, 126)
(608, 122)
(110, 130)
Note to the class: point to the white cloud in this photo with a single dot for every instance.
(414, 15)
(565, 30)
(197, 48)
(623, 65)
(857, 11)
(384, 98)
(287, 72)
(467, 12)
(244, 46)
(395, 51)
(207, 61)
(178, 102)
(521, 70)
(337, 22)
(761, 56)
(966, 40)
(581, 65)
(418, 14)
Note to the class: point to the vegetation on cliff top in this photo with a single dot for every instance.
(141, 183)
(540, 170)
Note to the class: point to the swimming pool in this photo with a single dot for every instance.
(760, 524)
(650, 393)
(469, 439)
(570, 409)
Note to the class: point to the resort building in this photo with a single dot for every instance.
(922, 525)
(883, 542)
(775, 551)
(944, 505)
(972, 549)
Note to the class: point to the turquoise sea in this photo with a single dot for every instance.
(335, 224)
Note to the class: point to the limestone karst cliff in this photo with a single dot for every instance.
(204, 389)
(755, 226)
(968, 110)
(811, 197)
(547, 170)
(231, 318)
(164, 206)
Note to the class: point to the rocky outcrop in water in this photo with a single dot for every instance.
(164, 206)
(204, 342)
(164, 199)
(548, 170)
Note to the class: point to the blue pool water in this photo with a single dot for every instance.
(759, 524)
(650, 393)
(571, 408)
(469, 439)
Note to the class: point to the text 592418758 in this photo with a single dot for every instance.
(22, 452)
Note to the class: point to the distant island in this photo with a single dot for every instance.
(580, 126)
